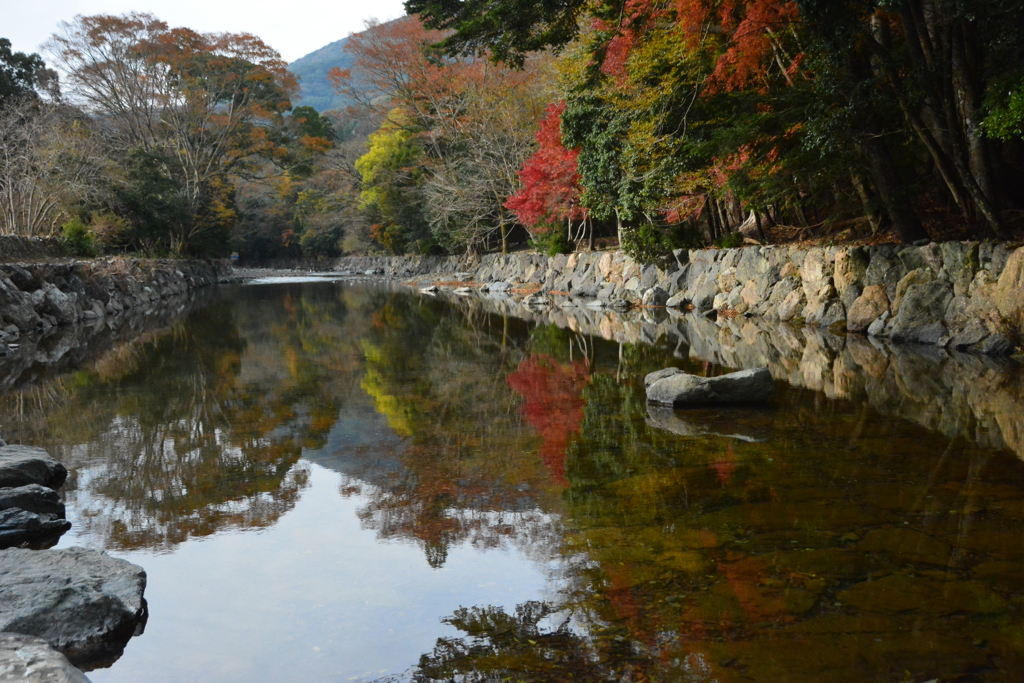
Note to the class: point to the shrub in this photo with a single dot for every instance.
(731, 241)
(650, 243)
(110, 231)
(78, 239)
(552, 241)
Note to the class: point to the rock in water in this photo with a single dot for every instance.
(28, 659)
(19, 526)
(34, 498)
(83, 602)
(679, 388)
(22, 465)
(31, 514)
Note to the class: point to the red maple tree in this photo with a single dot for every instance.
(550, 179)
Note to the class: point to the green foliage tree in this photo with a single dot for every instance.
(23, 75)
(392, 172)
(509, 29)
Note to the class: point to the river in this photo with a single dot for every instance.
(342, 481)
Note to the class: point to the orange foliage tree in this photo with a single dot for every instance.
(203, 103)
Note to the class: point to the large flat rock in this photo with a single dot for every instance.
(679, 388)
(83, 602)
(28, 659)
(23, 465)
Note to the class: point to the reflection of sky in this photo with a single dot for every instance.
(313, 598)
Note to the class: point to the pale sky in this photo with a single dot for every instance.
(292, 28)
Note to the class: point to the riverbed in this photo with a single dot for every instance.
(341, 480)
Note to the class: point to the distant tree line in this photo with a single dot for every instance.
(144, 143)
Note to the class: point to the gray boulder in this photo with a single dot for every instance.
(27, 659)
(920, 316)
(82, 602)
(16, 307)
(19, 526)
(655, 296)
(680, 388)
(677, 300)
(57, 303)
(34, 498)
(22, 465)
(658, 375)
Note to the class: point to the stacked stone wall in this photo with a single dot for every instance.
(967, 296)
(40, 296)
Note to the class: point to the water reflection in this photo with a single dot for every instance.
(818, 539)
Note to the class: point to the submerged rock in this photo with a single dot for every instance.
(83, 602)
(22, 465)
(679, 388)
(537, 299)
(29, 659)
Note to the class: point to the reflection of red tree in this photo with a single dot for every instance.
(554, 405)
(724, 466)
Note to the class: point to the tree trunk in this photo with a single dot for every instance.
(760, 228)
(887, 180)
(867, 199)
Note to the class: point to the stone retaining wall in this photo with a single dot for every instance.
(18, 247)
(40, 296)
(967, 296)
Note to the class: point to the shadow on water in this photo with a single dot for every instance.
(864, 527)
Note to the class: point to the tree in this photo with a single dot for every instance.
(715, 109)
(23, 75)
(508, 30)
(307, 137)
(472, 119)
(50, 163)
(203, 102)
(391, 170)
(550, 178)
(938, 61)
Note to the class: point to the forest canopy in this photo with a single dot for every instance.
(472, 126)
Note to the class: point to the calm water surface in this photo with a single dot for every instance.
(328, 481)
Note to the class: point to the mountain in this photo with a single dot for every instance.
(312, 72)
